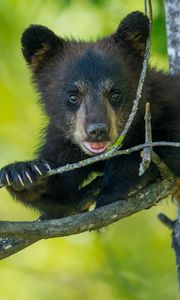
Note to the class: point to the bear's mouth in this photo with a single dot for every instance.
(96, 147)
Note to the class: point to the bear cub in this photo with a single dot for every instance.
(87, 91)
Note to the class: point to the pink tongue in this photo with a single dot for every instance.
(97, 146)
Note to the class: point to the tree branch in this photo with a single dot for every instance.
(88, 221)
(172, 9)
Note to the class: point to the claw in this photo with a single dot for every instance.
(20, 179)
(7, 179)
(29, 177)
(48, 166)
(37, 169)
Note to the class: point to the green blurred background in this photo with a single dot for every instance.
(130, 260)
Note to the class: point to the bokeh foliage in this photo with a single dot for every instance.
(130, 260)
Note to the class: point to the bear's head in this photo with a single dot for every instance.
(88, 88)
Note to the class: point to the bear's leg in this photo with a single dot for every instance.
(121, 176)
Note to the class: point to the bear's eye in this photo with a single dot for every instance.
(115, 97)
(74, 98)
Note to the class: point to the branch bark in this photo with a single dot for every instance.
(14, 234)
(147, 153)
(172, 9)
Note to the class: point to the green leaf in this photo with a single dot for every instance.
(117, 143)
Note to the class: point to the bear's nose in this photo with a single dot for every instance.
(97, 131)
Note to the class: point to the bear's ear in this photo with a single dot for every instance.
(132, 33)
(38, 43)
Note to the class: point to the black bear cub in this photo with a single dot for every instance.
(87, 90)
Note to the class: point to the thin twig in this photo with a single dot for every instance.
(150, 12)
(129, 122)
(107, 155)
(147, 152)
(166, 221)
(118, 143)
(89, 161)
(104, 156)
(166, 173)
